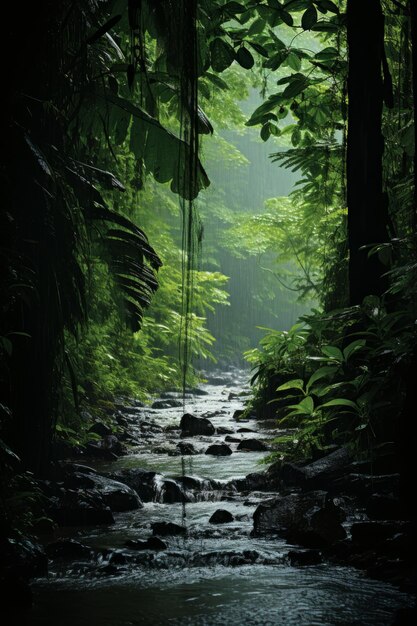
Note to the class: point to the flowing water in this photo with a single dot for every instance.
(218, 574)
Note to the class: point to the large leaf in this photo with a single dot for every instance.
(322, 372)
(222, 54)
(164, 154)
(341, 402)
(333, 352)
(296, 383)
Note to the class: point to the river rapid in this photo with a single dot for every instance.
(218, 574)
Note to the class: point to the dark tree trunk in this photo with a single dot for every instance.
(366, 212)
(413, 17)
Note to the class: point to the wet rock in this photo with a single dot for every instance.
(153, 543)
(237, 415)
(101, 429)
(253, 445)
(43, 526)
(364, 485)
(22, 559)
(168, 403)
(80, 508)
(196, 391)
(191, 425)
(118, 496)
(78, 467)
(109, 448)
(144, 482)
(109, 569)
(304, 557)
(170, 492)
(168, 528)
(219, 449)
(231, 439)
(245, 430)
(67, 549)
(310, 519)
(75, 480)
(222, 430)
(165, 448)
(317, 474)
(383, 507)
(186, 449)
(221, 516)
(256, 481)
(373, 534)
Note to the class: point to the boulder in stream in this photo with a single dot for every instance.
(169, 491)
(301, 558)
(219, 449)
(153, 543)
(168, 528)
(191, 425)
(231, 439)
(118, 496)
(311, 519)
(144, 482)
(167, 403)
(80, 508)
(186, 448)
(222, 430)
(221, 516)
(253, 445)
(317, 474)
(67, 549)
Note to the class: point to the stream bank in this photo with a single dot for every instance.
(255, 546)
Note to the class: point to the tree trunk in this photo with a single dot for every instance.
(366, 212)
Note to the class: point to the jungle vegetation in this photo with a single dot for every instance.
(121, 120)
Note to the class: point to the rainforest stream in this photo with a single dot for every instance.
(218, 573)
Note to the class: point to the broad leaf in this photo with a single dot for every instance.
(309, 18)
(245, 58)
(322, 372)
(341, 402)
(333, 352)
(353, 347)
(222, 54)
(296, 383)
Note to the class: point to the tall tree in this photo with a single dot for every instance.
(365, 145)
